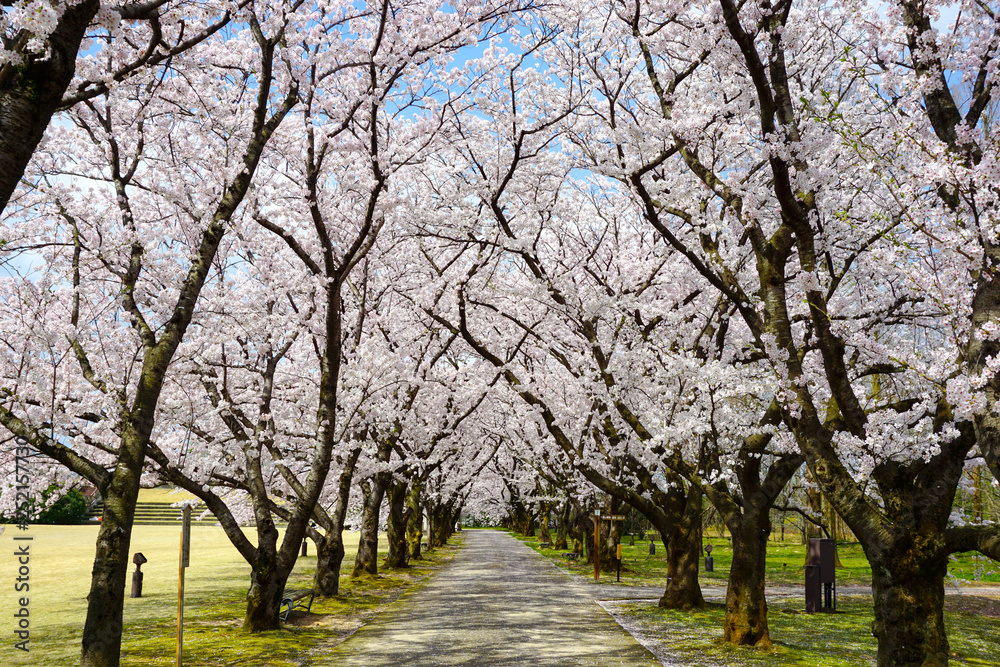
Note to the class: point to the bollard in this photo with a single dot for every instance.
(138, 559)
(652, 548)
(305, 547)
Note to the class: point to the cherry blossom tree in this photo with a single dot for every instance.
(125, 260)
(818, 187)
(376, 101)
(40, 59)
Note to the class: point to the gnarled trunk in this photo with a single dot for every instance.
(366, 561)
(396, 531)
(543, 523)
(908, 591)
(746, 606)
(415, 523)
(563, 529)
(102, 630)
(683, 550)
(438, 526)
(29, 95)
(267, 583)
(329, 558)
(330, 549)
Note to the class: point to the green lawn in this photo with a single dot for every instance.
(215, 589)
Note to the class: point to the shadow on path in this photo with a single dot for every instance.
(498, 603)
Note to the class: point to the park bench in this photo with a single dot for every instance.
(293, 600)
(544, 545)
(571, 554)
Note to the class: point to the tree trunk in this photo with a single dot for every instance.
(329, 558)
(330, 549)
(543, 521)
(438, 517)
(367, 558)
(102, 630)
(531, 528)
(908, 591)
(683, 552)
(610, 536)
(562, 531)
(29, 95)
(267, 585)
(746, 606)
(415, 524)
(522, 519)
(815, 501)
(397, 525)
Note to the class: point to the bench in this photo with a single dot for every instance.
(571, 554)
(544, 545)
(294, 600)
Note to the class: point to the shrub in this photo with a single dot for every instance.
(71, 508)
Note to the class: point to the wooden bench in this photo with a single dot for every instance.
(571, 554)
(293, 600)
(544, 545)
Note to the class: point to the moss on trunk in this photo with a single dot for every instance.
(102, 631)
(329, 558)
(683, 553)
(415, 521)
(366, 562)
(396, 531)
(746, 606)
(908, 592)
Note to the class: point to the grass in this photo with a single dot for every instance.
(215, 590)
(800, 639)
(785, 564)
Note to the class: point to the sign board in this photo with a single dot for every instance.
(185, 560)
(614, 517)
(597, 512)
(186, 538)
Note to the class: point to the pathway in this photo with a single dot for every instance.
(497, 604)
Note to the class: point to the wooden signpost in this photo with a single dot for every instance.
(597, 541)
(185, 560)
(597, 544)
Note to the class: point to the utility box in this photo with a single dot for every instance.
(821, 575)
(823, 552)
(813, 589)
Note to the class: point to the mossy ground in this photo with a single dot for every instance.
(215, 599)
(785, 564)
(814, 640)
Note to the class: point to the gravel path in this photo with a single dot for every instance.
(498, 603)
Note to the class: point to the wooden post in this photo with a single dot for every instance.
(597, 545)
(184, 561)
